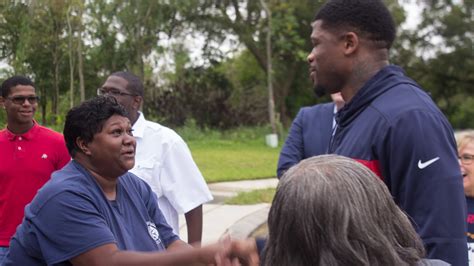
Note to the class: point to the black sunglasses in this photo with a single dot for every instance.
(21, 99)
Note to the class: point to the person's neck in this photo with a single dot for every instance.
(363, 71)
(107, 183)
(469, 192)
(133, 118)
(339, 105)
(17, 128)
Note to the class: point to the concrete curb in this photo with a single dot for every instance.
(244, 227)
(221, 196)
(239, 221)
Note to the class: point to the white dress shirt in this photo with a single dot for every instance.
(164, 161)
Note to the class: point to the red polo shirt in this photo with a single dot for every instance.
(26, 163)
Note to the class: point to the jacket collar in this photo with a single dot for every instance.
(381, 82)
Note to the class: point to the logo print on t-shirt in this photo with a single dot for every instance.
(154, 233)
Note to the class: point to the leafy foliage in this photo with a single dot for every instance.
(445, 64)
(68, 44)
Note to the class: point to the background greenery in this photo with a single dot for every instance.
(218, 100)
(69, 47)
(229, 155)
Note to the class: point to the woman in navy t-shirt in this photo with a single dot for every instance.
(93, 212)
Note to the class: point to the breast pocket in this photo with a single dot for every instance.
(150, 172)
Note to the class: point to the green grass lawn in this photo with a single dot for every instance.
(253, 197)
(229, 155)
(227, 160)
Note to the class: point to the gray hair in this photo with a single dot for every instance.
(464, 137)
(332, 210)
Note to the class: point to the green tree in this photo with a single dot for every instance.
(444, 67)
(35, 45)
(246, 20)
(127, 34)
(291, 28)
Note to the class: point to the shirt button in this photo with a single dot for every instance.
(19, 148)
(19, 138)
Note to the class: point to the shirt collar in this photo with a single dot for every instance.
(30, 134)
(139, 126)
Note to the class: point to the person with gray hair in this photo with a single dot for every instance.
(332, 210)
(465, 143)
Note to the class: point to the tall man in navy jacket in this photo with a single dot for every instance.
(389, 123)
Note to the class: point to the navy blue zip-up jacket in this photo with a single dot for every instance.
(394, 128)
(309, 135)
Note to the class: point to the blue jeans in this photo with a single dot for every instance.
(3, 254)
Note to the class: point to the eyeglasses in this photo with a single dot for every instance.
(112, 92)
(21, 99)
(466, 158)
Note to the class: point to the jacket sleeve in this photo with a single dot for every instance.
(293, 149)
(418, 160)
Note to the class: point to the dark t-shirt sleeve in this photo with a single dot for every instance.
(68, 225)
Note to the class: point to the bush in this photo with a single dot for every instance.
(208, 97)
(463, 117)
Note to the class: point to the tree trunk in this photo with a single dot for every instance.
(43, 105)
(71, 59)
(54, 105)
(80, 67)
(283, 91)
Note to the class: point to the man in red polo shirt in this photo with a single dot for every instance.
(29, 153)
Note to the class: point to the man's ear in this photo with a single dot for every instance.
(83, 146)
(2, 102)
(137, 102)
(351, 42)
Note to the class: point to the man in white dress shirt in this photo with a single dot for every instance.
(162, 159)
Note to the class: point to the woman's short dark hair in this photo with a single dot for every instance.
(369, 18)
(331, 210)
(87, 119)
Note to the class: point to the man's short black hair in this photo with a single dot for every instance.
(135, 85)
(11, 82)
(369, 18)
(87, 119)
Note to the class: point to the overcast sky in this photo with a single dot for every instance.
(413, 14)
